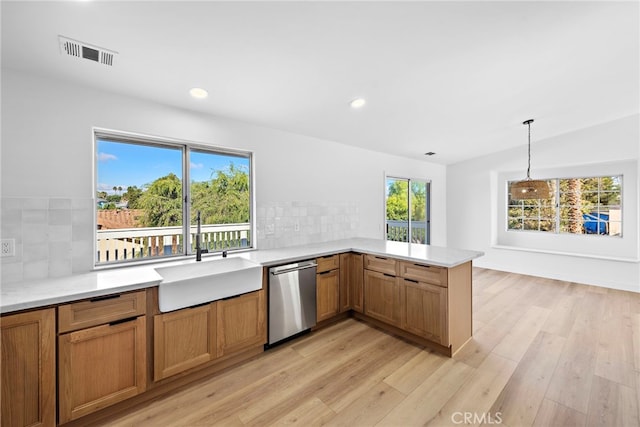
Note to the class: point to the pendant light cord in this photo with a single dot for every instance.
(528, 123)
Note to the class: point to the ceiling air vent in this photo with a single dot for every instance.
(79, 49)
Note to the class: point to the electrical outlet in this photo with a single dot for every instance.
(8, 247)
(296, 226)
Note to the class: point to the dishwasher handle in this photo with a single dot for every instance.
(276, 271)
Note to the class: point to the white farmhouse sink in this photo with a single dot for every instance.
(196, 283)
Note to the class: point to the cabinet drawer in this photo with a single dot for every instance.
(381, 264)
(100, 310)
(328, 263)
(424, 273)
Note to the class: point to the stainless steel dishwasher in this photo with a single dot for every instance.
(292, 300)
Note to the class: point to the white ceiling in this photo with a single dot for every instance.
(457, 78)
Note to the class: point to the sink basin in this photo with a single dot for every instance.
(191, 284)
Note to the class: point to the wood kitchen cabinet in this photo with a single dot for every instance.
(431, 303)
(426, 301)
(352, 282)
(183, 339)
(327, 294)
(383, 297)
(425, 308)
(28, 369)
(438, 303)
(104, 364)
(327, 287)
(241, 323)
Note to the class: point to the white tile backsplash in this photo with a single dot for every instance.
(281, 224)
(54, 237)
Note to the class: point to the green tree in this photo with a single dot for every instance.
(113, 198)
(132, 196)
(397, 204)
(418, 201)
(162, 202)
(224, 199)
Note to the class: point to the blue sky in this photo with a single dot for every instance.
(124, 164)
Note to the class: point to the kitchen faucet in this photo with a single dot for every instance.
(199, 250)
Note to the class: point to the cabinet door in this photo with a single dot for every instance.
(183, 339)
(351, 282)
(382, 297)
(241, 323)
(426, 311)
(327, 294)
(29, 369)
(100, 366)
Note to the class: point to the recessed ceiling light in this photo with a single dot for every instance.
(358, 103)
(199, 93)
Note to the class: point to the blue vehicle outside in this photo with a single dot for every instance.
(596, 223)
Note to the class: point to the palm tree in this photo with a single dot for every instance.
(574, 198)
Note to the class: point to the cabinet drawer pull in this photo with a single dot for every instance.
(118, 322)
(105, 297)
(326, 272)
(423, 266)
(380, 257)
(388, 275)
(199, 305)
(411, 280)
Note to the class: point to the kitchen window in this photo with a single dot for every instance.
(146, 188)
(588, 206)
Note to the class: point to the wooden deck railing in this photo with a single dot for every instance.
(398, 231)
(148, 243)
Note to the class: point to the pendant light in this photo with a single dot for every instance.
(528, 188)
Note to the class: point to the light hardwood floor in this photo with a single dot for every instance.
(544, 353)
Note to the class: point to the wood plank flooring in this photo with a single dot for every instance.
(544, 353)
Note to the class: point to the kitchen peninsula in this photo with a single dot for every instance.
(422, 293)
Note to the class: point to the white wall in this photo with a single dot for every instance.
(47, 182)
(475, 201)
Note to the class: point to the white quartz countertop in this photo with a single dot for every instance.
(428, 254)
(41, 293)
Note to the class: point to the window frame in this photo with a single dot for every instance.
(557, 206)
(186, 147)
(625, 249)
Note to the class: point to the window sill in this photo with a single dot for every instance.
(571, 254)
(167, 259)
